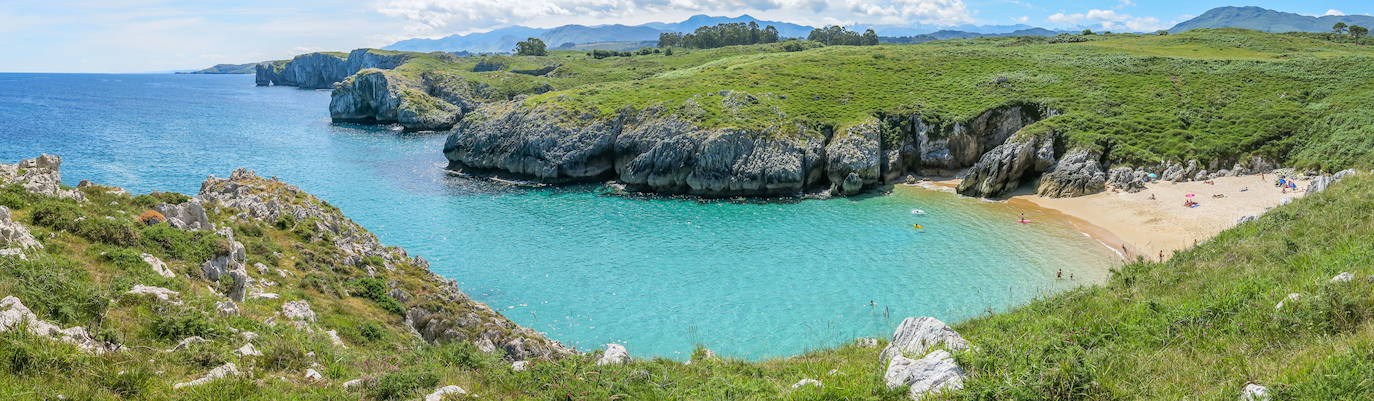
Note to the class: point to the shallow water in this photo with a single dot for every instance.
(746, 279)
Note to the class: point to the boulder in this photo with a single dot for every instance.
(1125, 179)
(312, 375)
(934, 373)
(41, 175)
(221, 372)
(162, 294)
(520, 366)
(13, 234)
(807, 382)
(334, 338)
(853, 158)
(1078, 173)
(158, 265)
(298, 311)
(1344, 277)
(918, 335)
(189, 215)
(248, 350)
(1320, 184)
(615, 354)
(13, 313)
(443, 392)
(1000, 170)
(1254, 392)
(866, 342)
(187, 343)
(226, 308)
(1290, 298)
(1246, 219)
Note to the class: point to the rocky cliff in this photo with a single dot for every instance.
(432, 102)
(322, 70)
(653, 150)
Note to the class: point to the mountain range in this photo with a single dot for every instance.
(1262, 19)
(616, 35)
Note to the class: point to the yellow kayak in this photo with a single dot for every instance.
(918, 226)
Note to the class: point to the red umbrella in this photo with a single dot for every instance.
(1190, 195)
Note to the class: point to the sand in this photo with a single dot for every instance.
(1146, 227)
(1135, 225)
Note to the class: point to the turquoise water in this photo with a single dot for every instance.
(746, 279)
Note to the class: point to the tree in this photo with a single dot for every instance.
(531, 47)
(870, 38)
(1358, 32)
(1087, 32)
(668, 52)
(1339, 28)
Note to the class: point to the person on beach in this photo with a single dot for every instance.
(1059, 275)
(1161, 255)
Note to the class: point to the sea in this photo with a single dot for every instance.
(750, 279)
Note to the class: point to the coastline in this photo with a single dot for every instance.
(1134, 225)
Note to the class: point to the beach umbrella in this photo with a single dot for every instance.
(1153, 175)
(1190, 195)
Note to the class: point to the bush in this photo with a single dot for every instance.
(194, 246)
(57, 215)
(156, 198)
(402, 384)
(371, 331)
(113, 232)
(128, 382)
(462, 355)
(178, 324)
(375, 289)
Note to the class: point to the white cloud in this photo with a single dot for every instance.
(449, 16)
(1023, 19)
(1125, 3)
(1108, 20)
(1334, 12)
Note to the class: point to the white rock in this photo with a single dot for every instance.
(248, 336)
(13, 312)
(1344, 277)
(227, 308)
(520, 366)
(352, 383)
(186, 343)
(334, 338)
(264, 295)
(615, 354)
(932, 374)
(221, 372)
(312, 375)
(1254, 392)
(298, 311)
(1290, 298)
(14, 252)
(158, 265)
(262, 269)
(866, 342)
(14, 234)
(834, 372)
(917, 335)
(248, 350)
(807, 382)
(162, 294)
(438, 395)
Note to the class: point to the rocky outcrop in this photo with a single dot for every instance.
(15, 235)
(807, 382)
(444, 392)
(322, 70)
(41, 175)
(918, 335)
(1078, 173)
(14, 314)
(1126, 179)
(381, 97)
(615, 354)
(652, 150)
(1321, 183)
(1254, 392)
(157, 265)
(1002, 169)
(189, 215)
(160, 293)
(230, 265)
(226, 370)
(934, 373)
(298, 311)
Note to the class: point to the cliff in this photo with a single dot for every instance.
(322, 70)
(657, 151)
(431, 101)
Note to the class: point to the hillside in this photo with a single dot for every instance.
(226, 69)
(503, 40)
(1266, 20)
(316, 323)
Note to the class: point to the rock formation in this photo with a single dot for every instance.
(15, 235)
(13, 314)
(918, 335)
(41, 175)
(931, 374)
(443, 392)
(226, 370)
(615, 354)
(1078, 173)
(189, 215)
(432, 102)
(322, 70)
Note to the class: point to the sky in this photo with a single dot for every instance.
(120, 36)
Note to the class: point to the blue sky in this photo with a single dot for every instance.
(162, 35)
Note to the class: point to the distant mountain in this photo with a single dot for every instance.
(953, 34)
(225, 69)
(1262, 19)
(618, 36)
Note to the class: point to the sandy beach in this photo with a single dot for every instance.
(1154, 220)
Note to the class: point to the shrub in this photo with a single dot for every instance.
(22, 353)
(57, 215)
(177, 324)
(151, 217)
(283, 353)
(156, 198)
(114, 232)
(402, 384)
(371, 331)
(128, 382)
(55, 288)
(194, 246)
(375, 289)
(462, 355)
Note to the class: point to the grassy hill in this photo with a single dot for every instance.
(1197, 327)
(1266, 20)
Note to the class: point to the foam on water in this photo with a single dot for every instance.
(747, 279)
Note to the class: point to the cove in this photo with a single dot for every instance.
(747, 279)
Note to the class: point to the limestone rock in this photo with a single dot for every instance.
(1078, 173)
(162, 294)
(227, 308)
(1344, 277)
(1320, 184)
(866, 342)
(221, 372)
(41, 175)
(853, 159)
(918, 335)
(248, 350)
(322, 70)
(312, 375)
(443, 392)
(189, 215)
(298, 311)
(934, 373)
(158, 265)
(1254, 392)
(16, 252)
(615, 354)
(520, 366)
(334, 338)
(807, 382)
(13, 313)
(1246, 219)
(229, 265)
(353, 383)
(1290, 298)
(14, 234)
(382, 97)
(1000, 170)
(187, 343)
(1125, 179)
